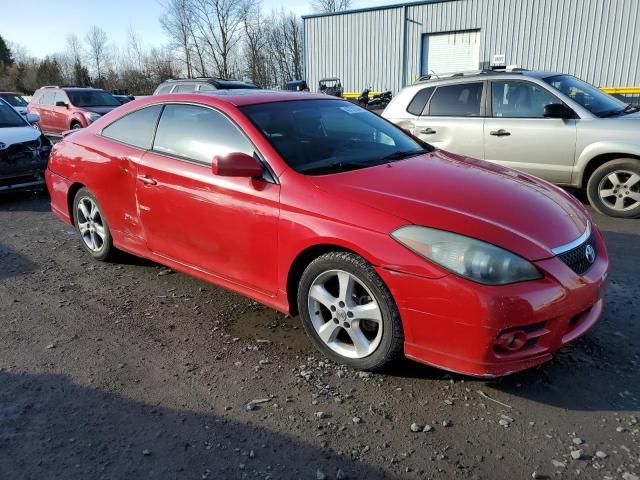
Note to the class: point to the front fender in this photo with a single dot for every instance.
(605, 147)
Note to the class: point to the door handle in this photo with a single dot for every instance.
(428, 131)
(500, 133)
(147, 180)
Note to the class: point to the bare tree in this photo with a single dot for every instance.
(220, 26)
(74, 47)
(329, 6)
(97, 42)
(176, 22)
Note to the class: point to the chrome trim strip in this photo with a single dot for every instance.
(576, 243)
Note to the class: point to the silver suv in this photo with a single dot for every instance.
(551, 125)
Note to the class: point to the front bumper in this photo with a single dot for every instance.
(454, 324)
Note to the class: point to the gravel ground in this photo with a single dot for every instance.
(121, 371)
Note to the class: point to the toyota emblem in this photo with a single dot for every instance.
(590, 254)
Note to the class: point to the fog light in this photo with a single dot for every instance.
(512, 341)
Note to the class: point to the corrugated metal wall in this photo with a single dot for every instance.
(596, 40)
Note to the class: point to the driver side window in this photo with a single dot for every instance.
(517, 99)
(198, 134)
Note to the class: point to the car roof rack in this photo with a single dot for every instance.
(497, 71)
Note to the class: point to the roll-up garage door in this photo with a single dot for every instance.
(451, 52)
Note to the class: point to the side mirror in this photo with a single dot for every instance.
(236, 164)
(61, 104)
(32, 118)
(557, 110)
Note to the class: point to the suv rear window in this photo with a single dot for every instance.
(164, 89)
(416, 106)
(461, 100)
(185, 88)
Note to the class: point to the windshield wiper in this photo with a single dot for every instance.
(612, 113)
(336, 167)
(401, 154)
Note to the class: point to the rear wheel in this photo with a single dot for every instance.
(614, 188)
(75, 126)
(92, 226)
(349, 313)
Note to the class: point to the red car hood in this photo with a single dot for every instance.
(482, 200)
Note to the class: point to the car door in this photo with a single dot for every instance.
(225, 226)
(124, 142)
(45, 105)
(60, 114)
(518, 136)
(452, 119)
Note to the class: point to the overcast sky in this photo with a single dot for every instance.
(42, 26)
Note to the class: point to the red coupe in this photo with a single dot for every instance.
(309, 204)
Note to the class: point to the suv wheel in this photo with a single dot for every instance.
(349, 313)
(92, 226)
(614, 188)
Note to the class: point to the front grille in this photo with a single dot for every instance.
(576, 258)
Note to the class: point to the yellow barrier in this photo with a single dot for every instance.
(357, 94)
(621, 90)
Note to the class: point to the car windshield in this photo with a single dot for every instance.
(14, 100)
(9, 117)
(92, 98)
(318, 137)
(590, 97)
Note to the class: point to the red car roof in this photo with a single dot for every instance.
(246, 97)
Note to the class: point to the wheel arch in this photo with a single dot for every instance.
(300, 262)
(600, 159)
(71, 195)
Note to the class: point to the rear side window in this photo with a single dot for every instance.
(416, 106)
(206, 87)
(185, 88)
(461, 100)
(136, 128)
(198, 134)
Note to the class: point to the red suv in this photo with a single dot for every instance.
(62, 109)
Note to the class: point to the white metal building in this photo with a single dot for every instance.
(390, 47)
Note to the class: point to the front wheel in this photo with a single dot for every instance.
(349, 313)
(614, 188)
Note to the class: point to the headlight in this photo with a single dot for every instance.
(91, 116)
(465, 256)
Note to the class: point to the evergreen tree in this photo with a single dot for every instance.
(6, 57)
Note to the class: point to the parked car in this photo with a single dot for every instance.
(68, 108)
(201, 84)
(296, 86)
(551, 125)
(16, 101)
(24, 151)
(330, 86)
(310, 204)
(124, 98)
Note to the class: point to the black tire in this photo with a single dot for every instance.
(599, 180)
(391, 344)
(106, 250)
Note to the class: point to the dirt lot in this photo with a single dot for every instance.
(118, 371)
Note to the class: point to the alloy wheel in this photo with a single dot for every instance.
(91, 224)
(620, 190)
(345, 314)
